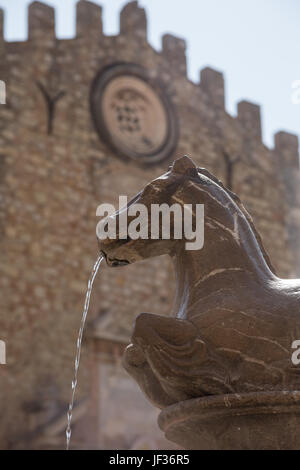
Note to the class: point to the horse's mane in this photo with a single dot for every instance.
(248, 217)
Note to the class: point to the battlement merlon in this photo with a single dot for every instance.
(41, 22)
(133, 21)
(1, 25)
(173, 49)
(286, 148)
(213, 85)
(249, 116)
(88, 19)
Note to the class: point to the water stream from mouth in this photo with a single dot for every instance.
(78, 350)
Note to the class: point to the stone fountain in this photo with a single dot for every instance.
(220, 367)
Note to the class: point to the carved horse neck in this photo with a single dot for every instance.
(232, 258)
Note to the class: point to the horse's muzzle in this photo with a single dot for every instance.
(114, 262)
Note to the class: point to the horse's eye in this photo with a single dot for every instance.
(147, 190)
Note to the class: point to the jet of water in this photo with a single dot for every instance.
(78, 350)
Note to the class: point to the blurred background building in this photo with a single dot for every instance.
(86, 120)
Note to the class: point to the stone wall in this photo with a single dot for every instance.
(55, 169)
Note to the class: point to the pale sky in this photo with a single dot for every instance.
(255, 43)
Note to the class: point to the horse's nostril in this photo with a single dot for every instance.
(118, 262)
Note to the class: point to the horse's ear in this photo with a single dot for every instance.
(184, 166)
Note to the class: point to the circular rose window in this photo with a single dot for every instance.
(132, 114)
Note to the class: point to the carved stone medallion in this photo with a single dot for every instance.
(133, 114)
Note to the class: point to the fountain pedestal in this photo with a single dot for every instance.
(249, 421)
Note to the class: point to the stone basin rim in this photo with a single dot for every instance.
(235, 404)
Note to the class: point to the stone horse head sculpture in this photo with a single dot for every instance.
(233, 320)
